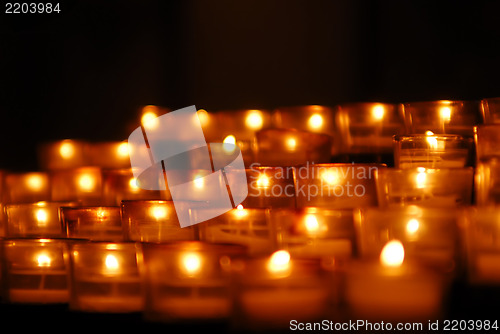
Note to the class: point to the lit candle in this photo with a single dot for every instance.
(83, 184)
(105, 277)
(278, 288)
(93, 223)
(315, 232)
(445, 187)
(365, 132)
(336, 185)
(186, 281)
(154, 221)
(36, 271)
(63, 154)
(27, 187)
(290, 147)
(249, 227)
(41, 219)
(393, 289)
(432, 151)
(109, 155)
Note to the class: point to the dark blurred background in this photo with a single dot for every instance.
(85, 72)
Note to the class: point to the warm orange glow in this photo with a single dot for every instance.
(149, 119)
(86, 182)
(229, 144)
(134, 187)
(412, 226)
(199, 182)
(431, 140)
(291, 143)
(263, 181)
(330, 176)
(42, 217)
(43, 260)
(378, 112)
(203, 117)
(67, 150)
(158, 212)
(254, 120)
(111, 263)
(445, 113)
(311, 223)
(191, 264)
(34, 182)
(315, 122)
(240, 211)
(279, 262)
(101, 214)
(392, 254)
(122, 150)
(421, 177)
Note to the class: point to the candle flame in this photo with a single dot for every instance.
(122, 150)
(229, 144)
(67, 150)
(279, 262)
(86, 182)
(263, 181)
(42, 217)
(311, 223)
(43, 260)
(191, 263)
(445, 113)
(421, 177)
(240, 211)
(254, 120)
(158, 212)
(134, 187)
(431, 140)
(199, 182)
(111, 263)
(330, 176)
(378, 112)
(412, 226)
(315, 122)
(291, 143)
(149, 118)
(392, 254)
(203, 117)
(34, 182)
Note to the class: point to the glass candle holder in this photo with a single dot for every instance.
(120, 185)
(487, 141)
(393, 289)
(432, 151)
(188, 281)
(289, 147)
(83, 184)
(109, 155)
(105, 277)
(154, 221)
(480, 228)
(271, 291)
(365, 132)
(93, 223)
(315, 232)
(241, 123)
(63, 154)
(490, 108)
(336, 185)
(250, 227)
(35, 220)
(442, 117)
(446, 187)
(429, 236)
(27, 187)
(487, 182)
(268, 187)
(36, 271)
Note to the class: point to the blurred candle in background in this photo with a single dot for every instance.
(364, 132)
(92, 223)
(27, 187)
(109, 155)
(63, 154)
(83, 184)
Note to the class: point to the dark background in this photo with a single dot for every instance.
(85, 72)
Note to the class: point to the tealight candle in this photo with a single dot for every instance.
(63, 154)
(109, 155)
(393, 289)
(41, 219)
(365, 132)
(336, 185)
(36, 271)
(289, 147)
(93, 223)
(105, 277)
(442, 117)
(445, 187)
(432, 151)
(153, 221)
(83, 184)
(270, 291)
(27, 187)
(187, 281)
(315, 232)
(268, 187)
(430, 235)
(120, 185)
(490, 108)
(249, 227)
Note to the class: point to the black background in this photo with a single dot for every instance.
(85, 72)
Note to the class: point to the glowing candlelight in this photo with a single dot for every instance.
(315, 122)
(378, 112)
(67, 150)
(86, 182)
(229, 144)
(392, 254)
(42, 217)
(279, 263)
(412, 226)
(191, 264)
(43, 260)
(421, 177)
(254, 120)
